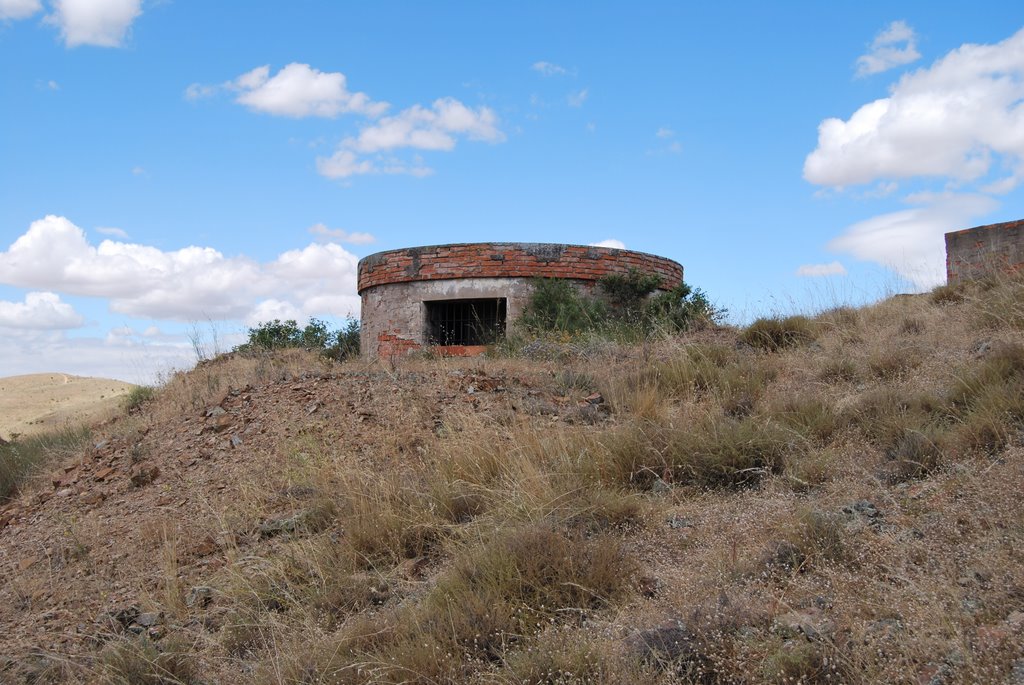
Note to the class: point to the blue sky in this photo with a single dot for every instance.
(170, 168)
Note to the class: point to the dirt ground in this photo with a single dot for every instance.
(41, 401)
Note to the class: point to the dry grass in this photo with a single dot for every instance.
(765, 512)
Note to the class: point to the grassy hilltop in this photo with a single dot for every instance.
(827, 499)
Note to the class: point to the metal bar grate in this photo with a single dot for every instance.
(466, 322)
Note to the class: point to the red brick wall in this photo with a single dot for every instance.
(976, 252)
(510, 260)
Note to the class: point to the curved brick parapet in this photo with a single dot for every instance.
(510, 260)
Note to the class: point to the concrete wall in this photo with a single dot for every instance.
(394, 285)
(976, 252)
(394, 316)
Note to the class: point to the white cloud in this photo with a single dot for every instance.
(94, 22)
(947, 120)
(894, 46)
(610, 242)
(189, 284)
(431, 128)
(198, 91)
(817, 270)
(549, 69)
(577, 98)
(19, 9)
(435, 128)
(297, 90)
(127, 357)
(341, 235)
(110, 230)
(665, 132)
(39, 311)
(911, 241)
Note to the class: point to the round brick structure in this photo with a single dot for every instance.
(457, 297)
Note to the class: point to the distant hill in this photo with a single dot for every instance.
(35, 402)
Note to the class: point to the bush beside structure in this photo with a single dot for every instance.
(457, 298)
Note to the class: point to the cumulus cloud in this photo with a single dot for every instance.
(189, 284)
(818, 270)
(951, 119)
(298, 90)
(958, 122)
(435, 128)
(19, 9)
(610, 242)
(341, 235)
(94, 22)
(549, 69)
(39, 311)
(910, 241)
(894, 46)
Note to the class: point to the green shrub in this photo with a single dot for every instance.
(774, 334)
(137, 396)
(274, 335)
(556, 305)
(627, 306)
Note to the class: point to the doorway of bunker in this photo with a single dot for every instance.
(465, 322)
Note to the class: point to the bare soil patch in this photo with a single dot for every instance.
(38, 402)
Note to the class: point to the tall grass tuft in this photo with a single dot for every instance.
(20, 458)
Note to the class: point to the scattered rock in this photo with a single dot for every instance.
(595, 398)
(411, 569)
(144, 475)
(649, 586)
(660, 487)
(289, 524)
(861, 514)
(148, 619)
(92, 498)
(783, 554)
(972, 605)
(27, 563)
(105, 473)
(672, 641)
(811, 624)
(118, 620)
(214, 412)
(1017, 673)
(199, 597)
(236, 441)
(677, 522)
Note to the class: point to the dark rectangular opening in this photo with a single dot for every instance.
(465, 322)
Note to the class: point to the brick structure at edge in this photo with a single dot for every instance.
(985, 250)
(395, 285)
